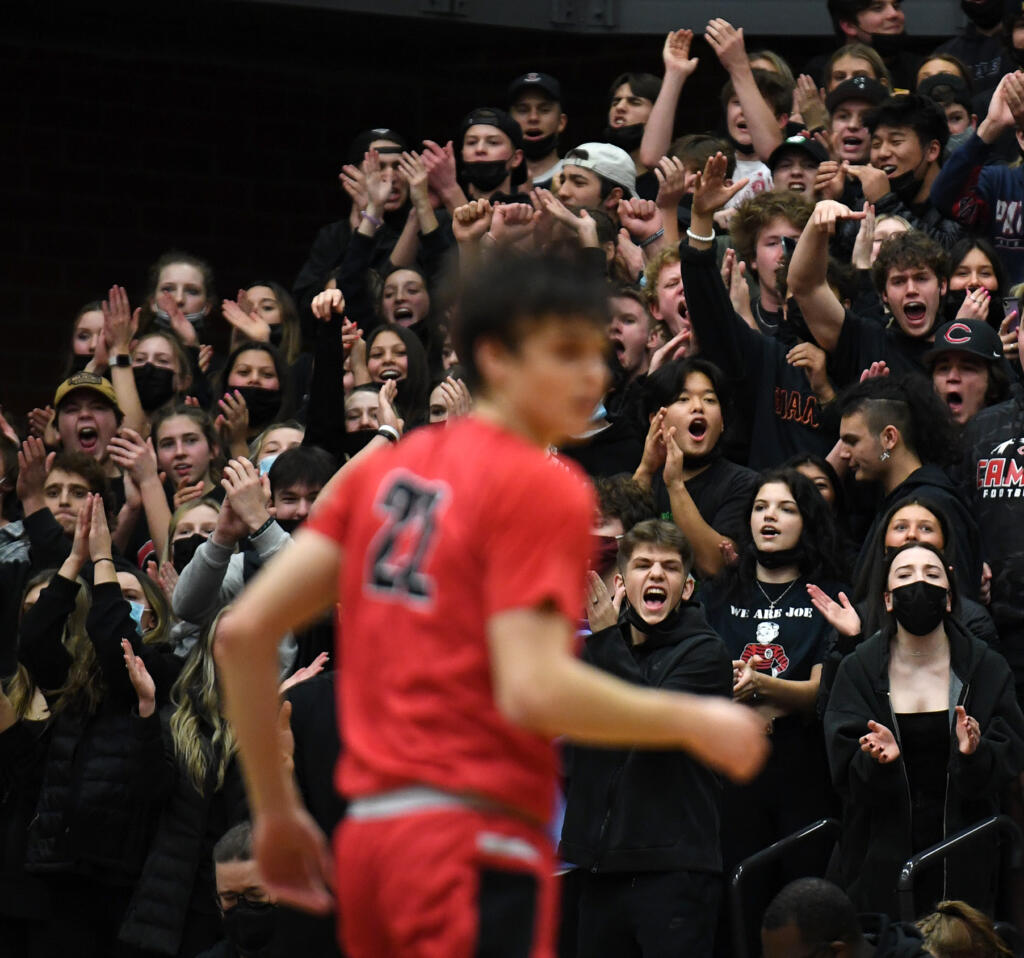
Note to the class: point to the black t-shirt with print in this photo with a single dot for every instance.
(791, 638)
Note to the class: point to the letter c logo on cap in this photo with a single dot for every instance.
(957, 334)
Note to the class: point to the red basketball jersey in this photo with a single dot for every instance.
(440, 533)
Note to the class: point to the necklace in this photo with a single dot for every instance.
(773, 602)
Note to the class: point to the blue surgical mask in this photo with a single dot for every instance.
(266, 462)
(135, 611)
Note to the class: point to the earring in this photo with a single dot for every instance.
(884, 456)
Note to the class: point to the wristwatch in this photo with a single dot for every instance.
(122, 359)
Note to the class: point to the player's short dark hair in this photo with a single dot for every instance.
(695, 149)
(910, 250)
(655, 532)
(911, 405)
(301, 465)
(821, 911)
(623, 498)
(756, 213)
(775, 90)
(911, 110)
(235, 845)
(507, 298)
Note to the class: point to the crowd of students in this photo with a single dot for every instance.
(809, 463)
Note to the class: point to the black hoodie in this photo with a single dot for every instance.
(638, 810)
(876, 835)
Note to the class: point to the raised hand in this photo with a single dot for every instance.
(187, 493)
(676, 53)
(873, 181)
(378, 183)
(863, 245)
(233, 420)
(350, 335)
(247, 492)
(414, 170)
(134, 455)
(512, 223)
(975, 305)
(841, 615)
(99, 532)
(1009, 333)
(439, 162)
(457, 399)
(629, 255)
(828, 212)
(734, 276)
(471, 221)
(248, 323)
(672, 183)
(602, 608)
(33, 466)
(353, 182)
(830, 180)
(326, 302)
(710, 190)
(205, 358)
(876, 369)
(727, 42)
(880, 744)
(675, 348)
(119, 326)
(293, 858)
(746, 679)
(305, 673)
(812, 359)
(40, 424)
(809, 103)
(673, 471)
(641, 217)
(142, 681)
(386, 414)
(653, 457)
(968, 732)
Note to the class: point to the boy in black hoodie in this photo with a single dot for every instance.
(643, 823)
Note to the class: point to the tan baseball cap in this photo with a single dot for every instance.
(90, 381)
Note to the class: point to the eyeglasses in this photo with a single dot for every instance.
(229, 899)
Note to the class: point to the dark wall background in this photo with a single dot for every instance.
(219, 128)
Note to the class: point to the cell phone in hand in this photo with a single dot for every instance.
(1011, 304)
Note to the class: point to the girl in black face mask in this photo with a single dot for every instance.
(923, 730)
(86, 335)
(255, 373)
(161, 369)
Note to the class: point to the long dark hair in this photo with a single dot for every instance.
(414, 390)
(819, 544)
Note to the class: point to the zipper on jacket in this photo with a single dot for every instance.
(906, 777)
(945, 803)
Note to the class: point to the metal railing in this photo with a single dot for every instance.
(999, 824)
(817, 831)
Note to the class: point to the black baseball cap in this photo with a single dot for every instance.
(542, 81)
(966, 336)
(798, 144)
(490, 116)
(363, 140)
(946, 88)
(858, 88)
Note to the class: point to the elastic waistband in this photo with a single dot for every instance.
(409, 801)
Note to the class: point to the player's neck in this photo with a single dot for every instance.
(501, 414)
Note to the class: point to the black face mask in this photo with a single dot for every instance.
(251, 928)
(485, 175)
(182, 550)
(906, 186)
(657, 629)
(888, 44)
(919, 607)
(289, 525)
(625, 137)
(538, 149)
(155, 385)
(779, 558)
(78, 363)
(984, 14)
(262, 404)
(353, 442)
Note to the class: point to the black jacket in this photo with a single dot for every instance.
(640, 809)
(876, 836)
